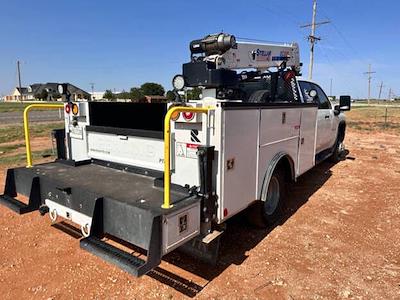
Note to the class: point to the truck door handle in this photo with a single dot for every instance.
(327, 116)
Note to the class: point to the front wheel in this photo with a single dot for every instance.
(269, 209)
(338, 151)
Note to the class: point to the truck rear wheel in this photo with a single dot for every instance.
(268, 210)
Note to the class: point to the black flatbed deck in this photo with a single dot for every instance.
(120, 203)
(130, 188)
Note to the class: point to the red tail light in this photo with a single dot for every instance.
(188, 116)
(67, 108)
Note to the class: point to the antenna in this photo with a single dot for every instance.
(312, 38)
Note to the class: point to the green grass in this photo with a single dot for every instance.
(16, 132)
(379, 102)
(20, 159)
(16, 106)
(9, 148)
(374, 118)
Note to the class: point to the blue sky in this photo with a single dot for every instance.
(120, 44)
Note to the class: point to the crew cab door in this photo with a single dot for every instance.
(326, 133)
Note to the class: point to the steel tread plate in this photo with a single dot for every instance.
(112, 254)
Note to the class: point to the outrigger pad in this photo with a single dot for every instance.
(8, 200)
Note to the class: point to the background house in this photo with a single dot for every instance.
(46, 92)
(19, 94)
(97, 95)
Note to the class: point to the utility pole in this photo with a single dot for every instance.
(92, 86)
(369, 81)
(312, 38)
(19, 79)
(390, 93)
(380, 90)
(330, 88)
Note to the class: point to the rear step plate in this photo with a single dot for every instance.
(118, 257)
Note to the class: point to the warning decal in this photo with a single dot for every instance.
(186, 150)
(191, 150)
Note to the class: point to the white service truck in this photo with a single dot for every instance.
(162, 176)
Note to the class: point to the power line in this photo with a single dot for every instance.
(330, 63)
(312, 38)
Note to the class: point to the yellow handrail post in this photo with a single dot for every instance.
(167, 148)
(26, 128)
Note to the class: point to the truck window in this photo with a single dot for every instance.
(322, 99)
(305, 88)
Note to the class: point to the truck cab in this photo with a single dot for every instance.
(331, 121)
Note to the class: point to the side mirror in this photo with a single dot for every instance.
(345, 103)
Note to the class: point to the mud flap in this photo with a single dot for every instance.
(205, 251)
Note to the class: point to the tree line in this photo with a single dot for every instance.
(138, 94)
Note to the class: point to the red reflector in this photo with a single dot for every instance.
(225, 212)
(289, 75)
(67, 108)
(188, 116)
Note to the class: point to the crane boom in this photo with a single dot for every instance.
(216, 58)
(260, 56)
(226, 52)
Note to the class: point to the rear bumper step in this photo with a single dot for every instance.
(118, 257)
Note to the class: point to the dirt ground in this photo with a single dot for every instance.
(340, 238)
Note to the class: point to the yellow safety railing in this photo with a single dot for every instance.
(167, 148)
(26, 127)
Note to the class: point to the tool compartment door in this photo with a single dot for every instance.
(279, 133)
(239, 159)
(307, 144)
